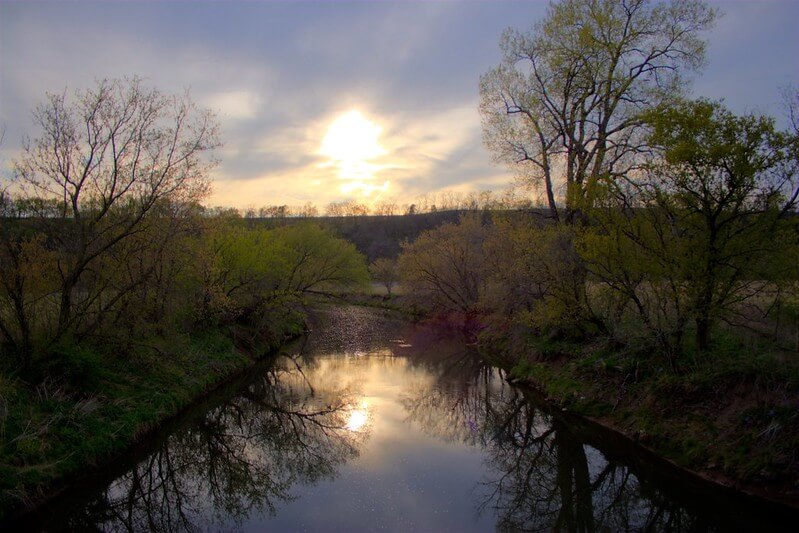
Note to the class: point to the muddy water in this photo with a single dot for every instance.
(375, 424)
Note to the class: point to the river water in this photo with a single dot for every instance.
(374, 424)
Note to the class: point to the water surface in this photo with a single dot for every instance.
(373, 424)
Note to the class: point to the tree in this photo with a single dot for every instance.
(115, 159)
(386, 208)
(384, 270)
(714, 225)
(728, 182)
(248, 268)
(565, 102)
(347, 208)
(315, 260)
(446, 266)
(308, 210)
(335, 209)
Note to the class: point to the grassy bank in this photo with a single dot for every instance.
(729, 415)
(109, 398)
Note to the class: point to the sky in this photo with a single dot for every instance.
(332, 101)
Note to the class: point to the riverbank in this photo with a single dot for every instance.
(732, 418)
(55, 433)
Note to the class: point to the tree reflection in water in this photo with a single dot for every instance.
(540, 476)
(241, 457)
(365, 378)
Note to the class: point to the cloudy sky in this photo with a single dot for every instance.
(328, 101)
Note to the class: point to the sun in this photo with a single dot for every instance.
(352, 137)
(352, 144)
(358, 418)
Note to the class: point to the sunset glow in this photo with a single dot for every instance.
(349, 101)
(351, 144)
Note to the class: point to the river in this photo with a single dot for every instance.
(374, 424)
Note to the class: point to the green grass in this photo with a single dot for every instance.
(101, 403)
(731, 410)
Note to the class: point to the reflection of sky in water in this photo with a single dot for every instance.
(377, 425)
(403, 478)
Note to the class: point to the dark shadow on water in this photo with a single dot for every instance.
(545, 473)
(243, 456)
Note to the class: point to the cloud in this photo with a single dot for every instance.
(278, 74)
(236, 105)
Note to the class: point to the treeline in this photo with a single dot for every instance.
(374, 236)
(509, 199)
(378, 236)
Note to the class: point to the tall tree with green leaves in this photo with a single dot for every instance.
(564, 106)
(728, 182)
(713, 224)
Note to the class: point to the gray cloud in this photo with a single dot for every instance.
(279, 73)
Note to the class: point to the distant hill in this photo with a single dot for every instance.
(381, 236)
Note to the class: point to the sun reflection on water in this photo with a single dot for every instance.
(358, 418)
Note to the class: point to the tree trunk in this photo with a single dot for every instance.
(702, 333)
(65, 310)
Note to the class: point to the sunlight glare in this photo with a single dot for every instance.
(351, 143)
(357, 419)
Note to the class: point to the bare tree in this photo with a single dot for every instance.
(566, 99)
(335, 209)
(308, 210)
(386, 208)
(114, 159)
(347, 208)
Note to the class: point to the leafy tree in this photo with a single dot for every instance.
(251, 267)
(565, 102)
(728, 183)
(445, 267)
(242, 268)
(538, 277)
(384, 270)
(317, 261)
(634, 260)
(714, 224)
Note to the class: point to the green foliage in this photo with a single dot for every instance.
(384, 270)
(240, 270)
(705, 230)
(537, 275)
(80, 365)
(446, 268)
(317, 260)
